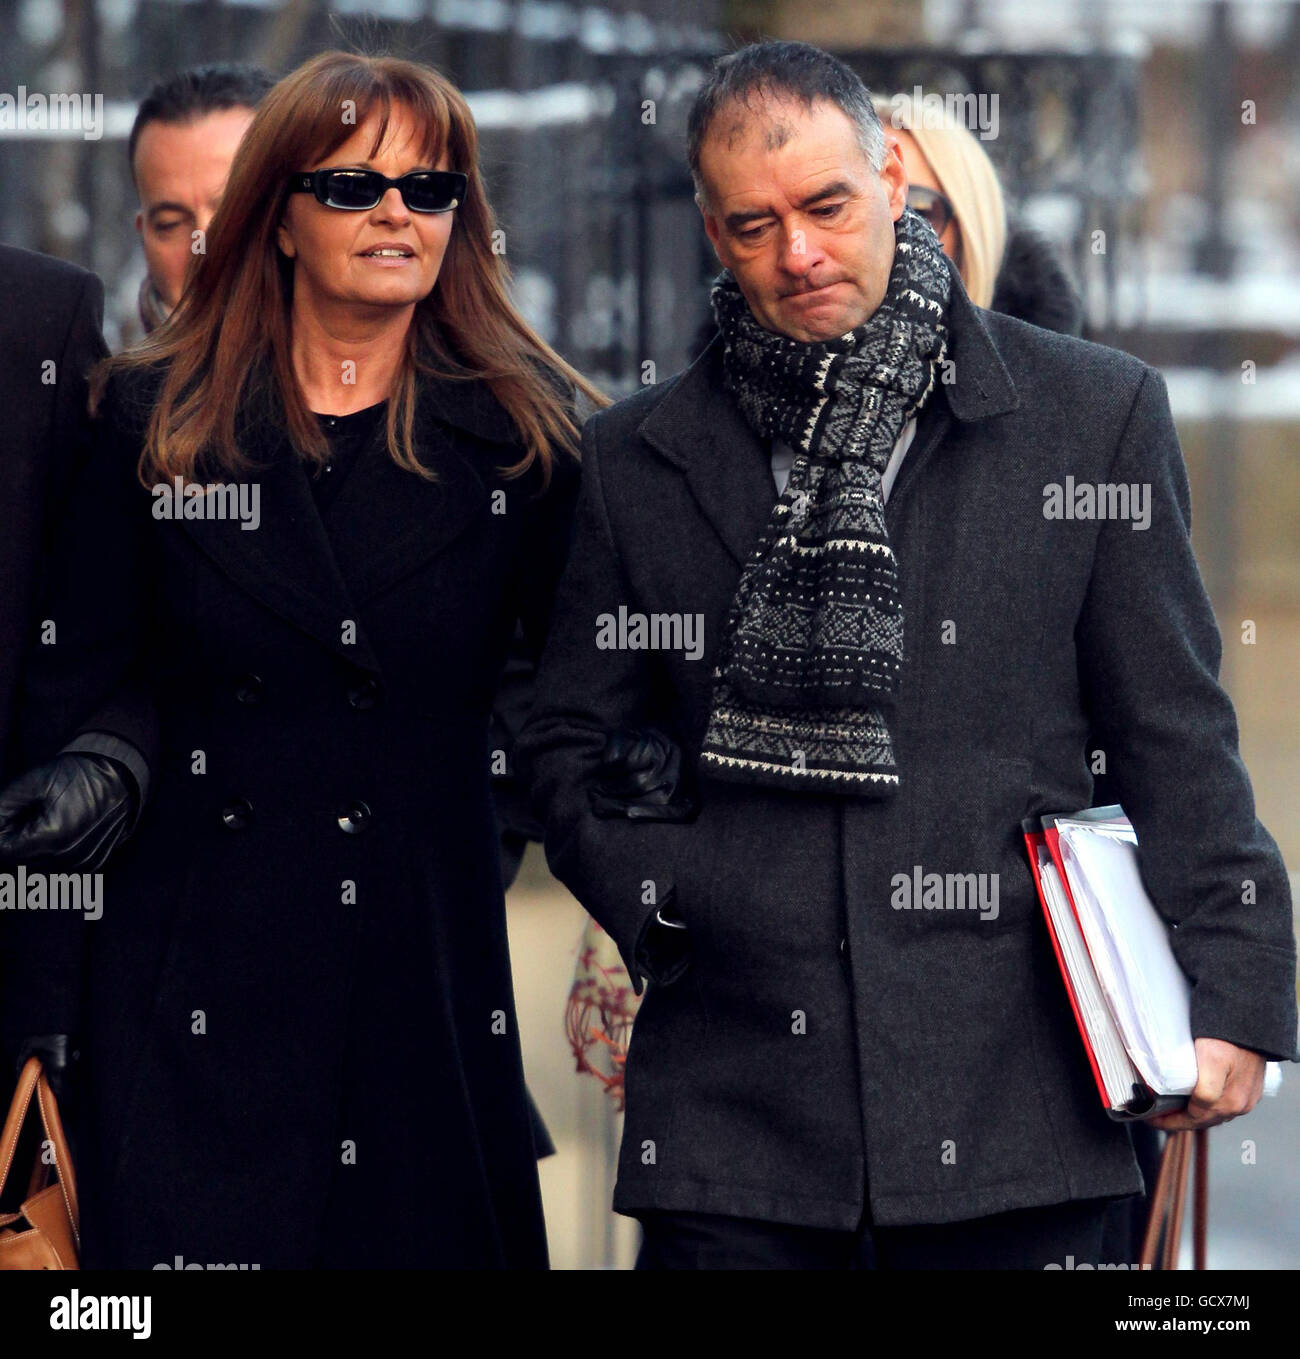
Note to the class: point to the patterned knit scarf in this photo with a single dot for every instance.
(814, 641)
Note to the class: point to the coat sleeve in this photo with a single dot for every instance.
(546, 550)
(75, 442)
(89, 665)
(537, 571)
(86, 674)
(83, 349)
(1149, 651)
(619, 870)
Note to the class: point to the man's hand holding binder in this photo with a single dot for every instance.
(1229, 1083)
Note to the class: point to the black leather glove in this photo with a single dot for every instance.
(71, 811)
(640, 777)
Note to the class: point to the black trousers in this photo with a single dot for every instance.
(1126, 1219)
(1063, 1234)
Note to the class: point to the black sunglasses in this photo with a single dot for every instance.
(360, 190)
(932, 205)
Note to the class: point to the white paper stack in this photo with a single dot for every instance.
(1133, 999)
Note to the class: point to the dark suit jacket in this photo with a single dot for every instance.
(52, 314)
(316, 868)
(826, 1052)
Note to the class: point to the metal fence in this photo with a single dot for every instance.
(582, 116)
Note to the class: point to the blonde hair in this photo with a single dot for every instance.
(968, 180)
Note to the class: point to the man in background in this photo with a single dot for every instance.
(185, 135)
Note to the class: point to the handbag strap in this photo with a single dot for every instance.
(32, 1081)
(1169, 1200)
(17, 1116)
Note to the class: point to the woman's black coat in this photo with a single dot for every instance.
(300, 1044)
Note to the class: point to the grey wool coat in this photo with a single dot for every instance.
(825, 1053)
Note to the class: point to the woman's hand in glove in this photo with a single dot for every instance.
(71, 811)
(640, 777)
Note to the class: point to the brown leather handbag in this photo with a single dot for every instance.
(1169, 1201)
(45, 1232)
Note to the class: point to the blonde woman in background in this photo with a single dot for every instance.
(952, 183)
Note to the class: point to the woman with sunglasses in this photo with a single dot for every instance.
(326, 491)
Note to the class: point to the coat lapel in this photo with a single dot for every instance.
(980, 387)
(286, 562)
(700, 430)
(387, 523)
(384, 523)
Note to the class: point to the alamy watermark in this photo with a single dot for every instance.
(1103, 500)
(977, 113)
(63, 111)
(181, 499)
(630, 631)
(24, 891)
(922, 891)
(78, 1311)
(182, 1263)
(1084, 1264)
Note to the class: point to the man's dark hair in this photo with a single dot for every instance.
(784, 70)
(197, 91)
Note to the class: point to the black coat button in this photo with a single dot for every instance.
(237, 815)
(844, 949)
(355, 818)
(249, 689)
(364, 694)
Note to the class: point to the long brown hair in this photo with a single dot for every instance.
(233, 320)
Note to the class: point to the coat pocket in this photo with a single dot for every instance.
(621, 871)
(759, 882)
(968, 868)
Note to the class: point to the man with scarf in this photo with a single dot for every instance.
(904, 657)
